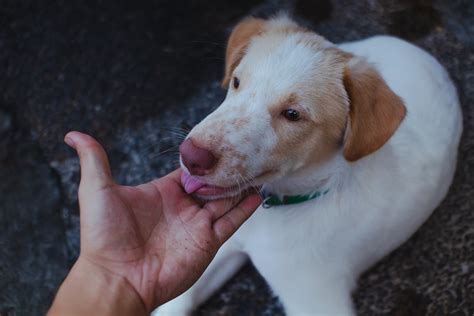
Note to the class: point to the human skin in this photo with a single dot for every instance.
(140, 246)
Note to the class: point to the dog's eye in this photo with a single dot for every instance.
(236, 82)
(291, 114)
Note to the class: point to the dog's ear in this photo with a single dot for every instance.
(375, 110)
(238, 42)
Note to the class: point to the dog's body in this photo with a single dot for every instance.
(311, 253)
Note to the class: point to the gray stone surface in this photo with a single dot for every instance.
(137, 74)
(33, 252)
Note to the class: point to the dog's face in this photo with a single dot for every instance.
(287, 108)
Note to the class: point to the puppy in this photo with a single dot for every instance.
(354, 144)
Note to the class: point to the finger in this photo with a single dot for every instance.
(217, 208)
(170, 185)
(174, 177)
(172, 190)
(95, 170)
(228, 224)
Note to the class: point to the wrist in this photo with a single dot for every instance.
(90, 289)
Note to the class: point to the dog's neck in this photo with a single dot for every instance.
(308, 180)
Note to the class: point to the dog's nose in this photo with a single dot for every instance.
(198, 160)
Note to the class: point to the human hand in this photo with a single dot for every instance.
(153, 240)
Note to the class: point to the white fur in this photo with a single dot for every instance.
(312, 253)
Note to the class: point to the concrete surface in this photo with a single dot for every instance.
(133, 72)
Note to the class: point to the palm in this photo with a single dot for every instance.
(154, 235)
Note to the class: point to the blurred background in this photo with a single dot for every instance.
(132, 73)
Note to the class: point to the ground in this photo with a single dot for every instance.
(134, 73)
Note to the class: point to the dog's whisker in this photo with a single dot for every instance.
(210, 43)
(230, 199)
(246, 183)
(169, 149)
(244, 186)
(179, 128)
(256, 185)
(238, 186)
(252, 184)
(175, 131)
(181, 135)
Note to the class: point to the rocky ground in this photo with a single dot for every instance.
(132, 72)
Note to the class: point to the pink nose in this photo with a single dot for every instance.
(198, 160)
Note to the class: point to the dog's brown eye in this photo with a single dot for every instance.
(291, 114)
(236, 82)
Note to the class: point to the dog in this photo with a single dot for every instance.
(354, 146)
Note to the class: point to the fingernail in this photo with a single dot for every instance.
(69, 141)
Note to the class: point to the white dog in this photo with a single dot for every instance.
(355, 145)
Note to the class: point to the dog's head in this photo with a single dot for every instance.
(294, 101)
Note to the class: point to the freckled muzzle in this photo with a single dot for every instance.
(219, 157)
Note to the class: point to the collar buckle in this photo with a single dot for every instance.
(265, 203)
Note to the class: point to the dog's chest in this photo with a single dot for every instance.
(287, 228)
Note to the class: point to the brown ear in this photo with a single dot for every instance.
(238, 42)
(375, 111)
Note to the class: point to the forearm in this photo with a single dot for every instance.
(89, 290)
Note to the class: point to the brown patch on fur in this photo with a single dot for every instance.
(318, 134)
(341, 55)
(375, 111)
(238, 42)
(306, 137)
(286, 102)
(243, 33)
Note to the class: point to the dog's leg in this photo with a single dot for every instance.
(306, 288)
(226, 263)
(322, 296)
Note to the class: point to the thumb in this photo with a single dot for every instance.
(95, 169)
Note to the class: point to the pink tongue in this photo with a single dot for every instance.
(190, 183)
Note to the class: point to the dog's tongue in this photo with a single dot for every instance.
(190, 183)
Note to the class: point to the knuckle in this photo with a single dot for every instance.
(230, 223)
(241, 212)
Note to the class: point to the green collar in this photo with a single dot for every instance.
(272, 200)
